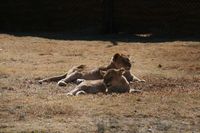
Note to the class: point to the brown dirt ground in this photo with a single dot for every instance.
(170, 101)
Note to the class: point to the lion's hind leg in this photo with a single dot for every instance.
(70, 78)
(78, 81)
(53, 79)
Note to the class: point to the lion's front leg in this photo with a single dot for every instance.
(132, 90)
(136, 79)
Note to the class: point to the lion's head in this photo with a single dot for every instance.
(115, 81)
(121, 61)
(113, 77)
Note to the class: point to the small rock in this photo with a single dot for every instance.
(150, 130)
(159, 66)
(139, 99)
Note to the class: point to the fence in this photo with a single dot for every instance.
(101, 16)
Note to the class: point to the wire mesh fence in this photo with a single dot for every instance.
(101, 16)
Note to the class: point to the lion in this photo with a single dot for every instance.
(80, 73)
(113, 81)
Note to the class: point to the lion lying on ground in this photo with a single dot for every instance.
(113, 81)
(80, 72)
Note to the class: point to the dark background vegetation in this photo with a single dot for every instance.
(101, 16)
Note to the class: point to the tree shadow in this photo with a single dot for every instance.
(112, 38)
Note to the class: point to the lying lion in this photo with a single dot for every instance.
(113, 81)
(80, 72)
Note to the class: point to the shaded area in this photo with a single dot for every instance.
(157, 17)
(72, 16)
(113, 38)
(96, 17)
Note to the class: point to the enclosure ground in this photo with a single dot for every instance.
(170, 101)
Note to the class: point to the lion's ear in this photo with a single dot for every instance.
(116, 56)
(102, 72)
(121, 71)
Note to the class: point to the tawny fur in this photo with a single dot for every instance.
(80, 72)
(113, 81)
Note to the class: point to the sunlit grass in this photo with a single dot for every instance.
(170, 100)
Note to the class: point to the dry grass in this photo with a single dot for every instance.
(170, 101)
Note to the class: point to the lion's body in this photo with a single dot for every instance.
(86, 73)
(90, 87)
(117, 84)
(82, 72)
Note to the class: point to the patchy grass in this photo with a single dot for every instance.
(170, 101)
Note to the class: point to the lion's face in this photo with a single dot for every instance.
(112, 77)
(121, 61)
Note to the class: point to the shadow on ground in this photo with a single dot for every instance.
(113, 38)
